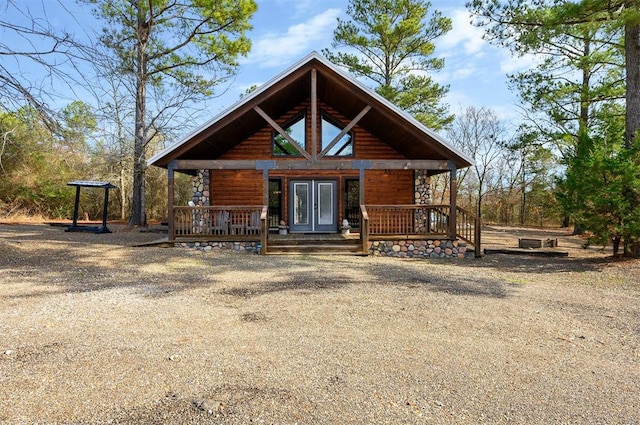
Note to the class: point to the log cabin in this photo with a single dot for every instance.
(315, 161)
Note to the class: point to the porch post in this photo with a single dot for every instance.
(170, 200)
(265, 166)
(361, 186)
(314, 115)
(362, 165)
(453, 199)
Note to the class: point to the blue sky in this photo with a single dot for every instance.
(287, 30)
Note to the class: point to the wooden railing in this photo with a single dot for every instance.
(468, 227)
(219, 221)
(420, 220)
(409, 219)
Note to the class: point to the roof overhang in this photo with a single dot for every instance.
(334, 87)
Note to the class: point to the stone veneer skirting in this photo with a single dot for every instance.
(431, 248)
(240, 247)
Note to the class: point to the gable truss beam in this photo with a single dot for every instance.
(284, 164)
(281, 131)
(345, 131)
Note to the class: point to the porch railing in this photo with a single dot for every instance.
(423, 220)
(220, 221)
(409, 219)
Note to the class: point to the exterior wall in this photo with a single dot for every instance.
(422, 187)
(422, 196)
(244, 187)
(241, 187)
(200, 189)
(432, 248)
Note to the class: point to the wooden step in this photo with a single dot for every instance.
(311, 247)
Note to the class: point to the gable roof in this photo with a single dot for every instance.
(335, 87)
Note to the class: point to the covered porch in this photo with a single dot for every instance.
(375, 223)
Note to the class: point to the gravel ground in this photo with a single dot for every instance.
(93, 330)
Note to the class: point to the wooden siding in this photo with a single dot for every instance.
(245, 187)
(258, 145)
(242, 187)
(392, 187)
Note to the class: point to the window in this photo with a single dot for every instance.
(296, 129)
(330, 129)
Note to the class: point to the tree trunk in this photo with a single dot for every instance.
(632, 57)
(139, 157)
(632, 119)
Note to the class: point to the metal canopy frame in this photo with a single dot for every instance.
(75, 227)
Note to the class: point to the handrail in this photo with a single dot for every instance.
(364, 229)
(469, 229)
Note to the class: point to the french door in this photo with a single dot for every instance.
(313, 205)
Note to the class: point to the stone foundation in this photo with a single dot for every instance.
(239, 247)
(431, 248)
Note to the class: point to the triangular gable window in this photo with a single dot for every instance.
(331, 129)
(296, 129)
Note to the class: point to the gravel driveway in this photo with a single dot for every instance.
(95, 331)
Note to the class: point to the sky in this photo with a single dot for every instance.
(285, 31)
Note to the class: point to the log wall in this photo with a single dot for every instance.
(245, 187)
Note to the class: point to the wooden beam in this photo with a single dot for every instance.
(411, 164)
(171, 200)
(281, 131)
(314, 114)
(345, 131)
(311, 165)
(208, 164)
(361, 187)
(453, 197)
(327, 164)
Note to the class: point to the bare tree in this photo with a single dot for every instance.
(479, 133)
(34, 58)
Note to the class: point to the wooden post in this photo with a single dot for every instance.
(314, 115)
(453, 199)
(105, 211)
(75, 207)
(478, 237)
(170, 201)
(364, 229)
(361, 186)
(265, 166)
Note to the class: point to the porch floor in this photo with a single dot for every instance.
(313, 237)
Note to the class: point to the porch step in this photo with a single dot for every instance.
(309, 247)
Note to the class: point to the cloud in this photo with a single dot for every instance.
(299, 7)
(510, 64)
(278, 49)
(462, 34)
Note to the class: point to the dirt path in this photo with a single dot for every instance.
(95, 331)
